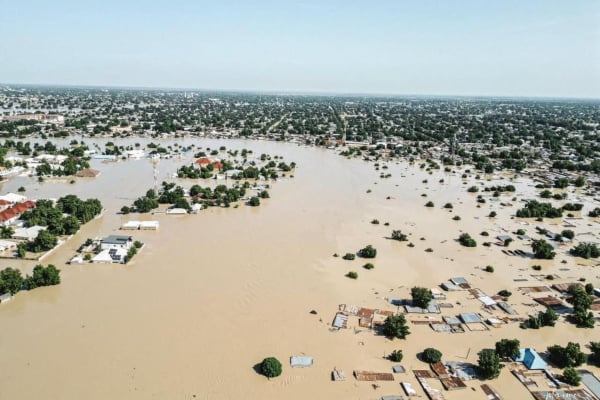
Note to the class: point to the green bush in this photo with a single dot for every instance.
(396, 356)
(466, 240)
(367, 252)
(585, 250)
(270, 367)
(571, 377)
(431, 355)
(349, 256)
(398, 235)
(352, 275)
(254, 201)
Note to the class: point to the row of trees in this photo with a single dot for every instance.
(12, 281)
(545, 251)
(535, 209)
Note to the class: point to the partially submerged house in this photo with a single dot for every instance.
(7, 245)
(116, 242)
(27, 233)
(112, 255)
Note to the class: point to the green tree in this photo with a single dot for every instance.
(569, 234)
(367, 252)
(579, 297)
(569, 356)
(571, 377)
(585, 250)
(12, 280)
(396, 356)
(43, 242)
(270, 367)
(395, 326)
(399, 236)
(70, 225)
(594, 358)
(42, 276)
(6, 232)
(254, 201)
(421, 296)
(488, 364)
(431, 355)
(466, 240)
(542, 249)
(508, 348)
(548, 317)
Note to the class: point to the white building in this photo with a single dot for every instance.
(116, 242)
(27, 233)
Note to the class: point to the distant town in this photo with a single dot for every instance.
(442, 248)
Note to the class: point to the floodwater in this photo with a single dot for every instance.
(212, 294)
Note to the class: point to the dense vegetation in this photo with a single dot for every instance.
(535, 209)
(11, 280)
(63, 218)
(585, 250)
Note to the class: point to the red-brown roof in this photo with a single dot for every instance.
(203, 161)
(7, 214)
(218, 165)
(16, 210)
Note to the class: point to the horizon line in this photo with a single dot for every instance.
(296, 92)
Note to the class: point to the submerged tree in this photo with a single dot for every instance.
(395, 326)
(488, 364)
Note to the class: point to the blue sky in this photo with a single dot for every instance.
(484, 47)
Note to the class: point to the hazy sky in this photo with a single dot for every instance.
(482, 47)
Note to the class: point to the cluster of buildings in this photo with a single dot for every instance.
(42, 118)
(12, 206)
(204, 162)
(32, 163)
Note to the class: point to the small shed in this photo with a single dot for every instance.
(301, 361)
(131, 225)
(470, 318)
(149, 225)
(398, 369)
